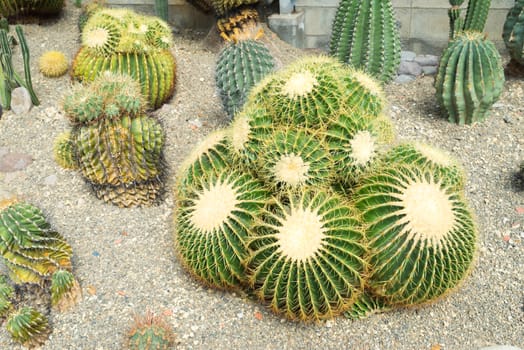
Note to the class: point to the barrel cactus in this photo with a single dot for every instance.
(415, 219)
(306, 260)
(7, 292)
(150, 332)
(65, 290)
(28, 327)
(241, 64)
(13, 8)
(470, 78)
(124, 42)
(117, 147)
(365, 35)
(53, 64)
(513, 32)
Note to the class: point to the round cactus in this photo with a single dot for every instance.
(213, 221)
(28, 327)
(64, 152)
(306, 260)
(150, 332)
(364, 94)
(513, 32)
(53, 64)
(470, 78)
(6, 294)
(421, 236)
(65, 290)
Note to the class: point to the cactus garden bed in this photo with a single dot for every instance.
(125, 262)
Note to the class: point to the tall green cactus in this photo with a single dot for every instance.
(162, 9)
(9, 78)
(116, 145)
(470, 78)
(476, 16)
(513, 32)
(365, 35)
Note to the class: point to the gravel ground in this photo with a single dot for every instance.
(124, 258)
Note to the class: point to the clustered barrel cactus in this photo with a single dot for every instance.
(513, 32)
(304, 201)
(124, 42)
(12, 8)
(365, 35)
(116, 146)
(33, 253)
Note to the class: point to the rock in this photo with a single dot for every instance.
(50, 180)
(20, 100)
(429, 70)
(411, 68)
(14, 162)
(427, 60)
(407, 56)
(404, 78)
(500, 347)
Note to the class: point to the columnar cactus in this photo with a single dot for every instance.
(365, 35)
(476, 16)
(11, 8)
(513, 32)
(124, 42)
(242, 64)
(116, 145)
(470, 78)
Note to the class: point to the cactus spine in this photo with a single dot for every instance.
(366, 36)
(28, 327)
(513, 32)
(470, 78)
(476, 16)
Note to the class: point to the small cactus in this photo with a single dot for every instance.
(64, 152)
(65, 290)
(6, 294)
(28, 327)
(53, 64)
(150, 332)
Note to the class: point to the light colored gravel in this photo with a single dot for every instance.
(124, 258)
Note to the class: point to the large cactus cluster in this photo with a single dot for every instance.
(33, 253)
(513, 32)
(304, 200)
(116, 146)
(365, 35)
(122, 41)
(12, 8)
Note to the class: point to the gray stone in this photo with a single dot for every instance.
(427, 60)
(20, 100)
(404, 78)
(407, 56)
(429, 70)
(14, 162)
(51, 180)
(411, 68)
(500, 347)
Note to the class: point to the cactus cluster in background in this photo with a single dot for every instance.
(124, 42)
(16, 8)
(36, 254)
(513, 32)
(470, 78)
(116, 146)
(301, 201)
(9, 78)
(365, 35)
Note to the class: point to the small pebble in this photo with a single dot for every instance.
(20, 100)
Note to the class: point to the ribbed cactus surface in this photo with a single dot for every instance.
(124, 42)
(10, 8)
(365, 35)
(420, 233)
(28, 327)
(513, 32)
(224, 7)
(150, 332)
(470, 78)
(240, 66)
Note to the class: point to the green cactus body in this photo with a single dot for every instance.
(64, 152)
(10, 8)
(476, 15)
(470, 78)
(213, 222)
(30, 249)
(28, 327)
(513, 32)
(240, 66)
(365, 305)
(224, 7)
(150, 332)
(306, 260)
(366, 36)
(421, 236)
(294, 158)
(6, 294)
(65, 290)
(121, 41)
(364, 94)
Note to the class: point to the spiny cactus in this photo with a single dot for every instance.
(366, 304)
(28, 327)
(6, 294)
(365, 36)
(11, 8)
(239, 20)
(65, 290)
(420, 233)
(476, 17)
(240, 66)
(150, 332)
(513, 32)
(223, 7)
(306, 260)
(470, 78)
(63, 151)
(53, 64)
(118, 148)
(124, 42)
